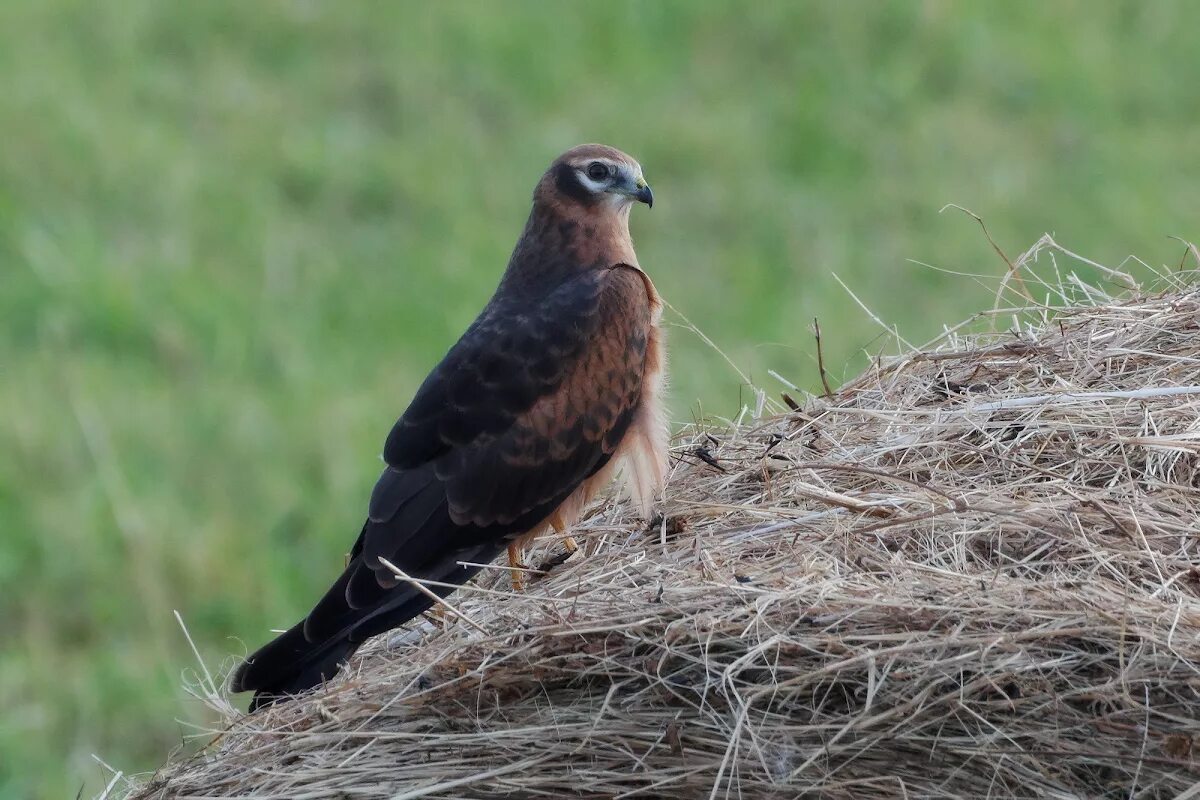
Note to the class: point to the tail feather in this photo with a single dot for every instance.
(288, 665)
(410, 525)
(293, 663)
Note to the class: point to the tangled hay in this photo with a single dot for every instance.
(971, 572)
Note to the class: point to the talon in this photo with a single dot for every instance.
(560, 527)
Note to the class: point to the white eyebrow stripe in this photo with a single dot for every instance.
(591, 185)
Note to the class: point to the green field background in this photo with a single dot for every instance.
(235, 235)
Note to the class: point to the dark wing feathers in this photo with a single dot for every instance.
(506, 360)
(532, 400)
(572, 428)
(393, 489)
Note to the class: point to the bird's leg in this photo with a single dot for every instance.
(560, 527)
(516, 567)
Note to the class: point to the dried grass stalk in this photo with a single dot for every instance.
(972, 572)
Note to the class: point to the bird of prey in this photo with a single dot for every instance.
(554, 385)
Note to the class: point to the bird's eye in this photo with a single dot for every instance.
(597, 171)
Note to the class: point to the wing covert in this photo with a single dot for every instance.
(513, 354)
(529, 404)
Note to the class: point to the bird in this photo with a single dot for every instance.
(555, 385)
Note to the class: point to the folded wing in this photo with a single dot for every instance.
(534, 399)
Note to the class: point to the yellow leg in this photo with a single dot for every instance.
(516, 573)
(560, 527)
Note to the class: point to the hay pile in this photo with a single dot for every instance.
(972, 572)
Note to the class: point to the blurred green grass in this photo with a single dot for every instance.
(234, 236)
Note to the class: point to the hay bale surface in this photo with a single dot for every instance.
(973, 572)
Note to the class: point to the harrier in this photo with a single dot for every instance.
(553, 386)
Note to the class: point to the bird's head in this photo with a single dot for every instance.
(594, 176)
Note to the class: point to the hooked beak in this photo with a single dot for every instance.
(643, 193)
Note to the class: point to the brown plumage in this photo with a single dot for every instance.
(554, 386)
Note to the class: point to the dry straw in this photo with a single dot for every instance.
(971, 572)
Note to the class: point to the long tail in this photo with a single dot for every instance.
(288, 665)
(352, 611)
(409, 524)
